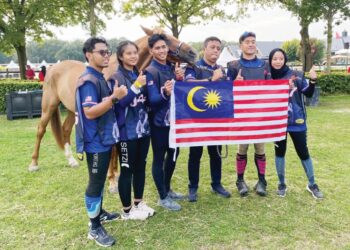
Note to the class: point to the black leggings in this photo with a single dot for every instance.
(132, 158)
(162, 170)
(300, 144)
(97, 166)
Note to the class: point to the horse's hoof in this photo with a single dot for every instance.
(73, 163)
(113, 190)
(33, 168)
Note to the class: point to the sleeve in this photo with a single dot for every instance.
(129, 98)
(306, 88)
(190, 74)
(231, 72)
(155, 94)
(88, 94)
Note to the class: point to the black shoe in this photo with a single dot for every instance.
(260, 188)
(108, 217)
(192, 194)
(315, 191)
(242, 188)
(220, 190)
(282, 190)
(101, 237)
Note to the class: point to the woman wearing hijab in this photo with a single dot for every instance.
(296, 120)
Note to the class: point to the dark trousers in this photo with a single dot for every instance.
(163, 164)
(194, 165)
(300, 145)
(132, 158)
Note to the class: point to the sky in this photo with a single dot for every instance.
(269, 25)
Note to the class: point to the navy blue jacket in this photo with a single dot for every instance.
(156, 75)
(203, 71)
(131, 110)
(255, 69)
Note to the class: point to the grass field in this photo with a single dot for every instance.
(45, 210)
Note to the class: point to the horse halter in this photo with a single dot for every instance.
(177, 51)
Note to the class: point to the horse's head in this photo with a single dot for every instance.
(178, 51)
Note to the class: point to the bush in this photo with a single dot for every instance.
(10, 85)
(335, 83)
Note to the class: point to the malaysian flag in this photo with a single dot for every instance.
(220, 113)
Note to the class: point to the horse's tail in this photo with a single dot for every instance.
(56, 128)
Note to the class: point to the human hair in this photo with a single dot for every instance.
(90, 43)
(43, 70)
(272, 53)
(155, 38)
(245, 35)
(209, 39)
(121, 48)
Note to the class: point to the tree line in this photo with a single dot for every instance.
(31, 19)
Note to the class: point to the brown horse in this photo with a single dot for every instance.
(60, 86)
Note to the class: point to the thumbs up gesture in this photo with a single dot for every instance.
(313, 74)
(119, 92)
(239, 76)
(140, 81)
(179, 72)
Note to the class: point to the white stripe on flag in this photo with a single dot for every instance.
(230, 133)
(259, 97)
(260, 87)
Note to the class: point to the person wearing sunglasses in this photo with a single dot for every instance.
(95, 99)
(249, 67)
(134, 133)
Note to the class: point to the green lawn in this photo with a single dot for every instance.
(45, 210)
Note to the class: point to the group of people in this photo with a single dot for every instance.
(30, 73)
(132, 111)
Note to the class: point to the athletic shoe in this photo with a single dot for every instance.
(282, 190)
(134, 214)
(242, 188)
(169, 204)
(176, 196)
(101, 237)
(143, 207)
(260, 188)
(315, 191)
(220, 190)
(192, 194)
(108, 217)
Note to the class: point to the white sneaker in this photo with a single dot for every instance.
(134, 214)
(143, 207)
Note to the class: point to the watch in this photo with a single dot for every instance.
(114, 100)
(210, 79)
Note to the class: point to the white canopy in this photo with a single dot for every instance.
(345, 52)
(29, 63)
(225, 57)
(12, 65)
(43, 63)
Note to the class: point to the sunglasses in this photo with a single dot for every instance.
(103, 53)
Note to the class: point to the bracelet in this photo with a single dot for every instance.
(138, 84)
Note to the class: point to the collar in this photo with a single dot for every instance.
(162, 67)
(93, 71)
(202, 62)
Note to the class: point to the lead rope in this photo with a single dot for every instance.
(226, 154)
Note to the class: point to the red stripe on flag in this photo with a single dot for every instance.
(227, 129)
(228, 138)
(227, 120)
(257, 110)
(259, 92)
(259, 82)
(258, 101)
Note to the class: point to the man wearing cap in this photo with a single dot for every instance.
(249, 67)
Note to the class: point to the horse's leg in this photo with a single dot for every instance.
(67, 130)
(48, 108)
(112, 174)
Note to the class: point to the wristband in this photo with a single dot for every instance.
(210, 79)
(138, 84)
(114, 100)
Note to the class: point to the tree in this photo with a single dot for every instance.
(91, 9)
(176, 14)
(30, 18)
(333, 11)
(292, 48)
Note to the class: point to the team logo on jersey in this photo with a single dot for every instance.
(150, 83)
(88, 99)
(299, 121)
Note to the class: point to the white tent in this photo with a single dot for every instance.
(12, 65)
(30, 64)
(43, 63)
(345, 52)
(225, 57)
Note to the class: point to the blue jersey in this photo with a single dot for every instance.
(296, 106)
(254, 69)
(131, 110)
(156, 75)
(202, 71)
(93, 143)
